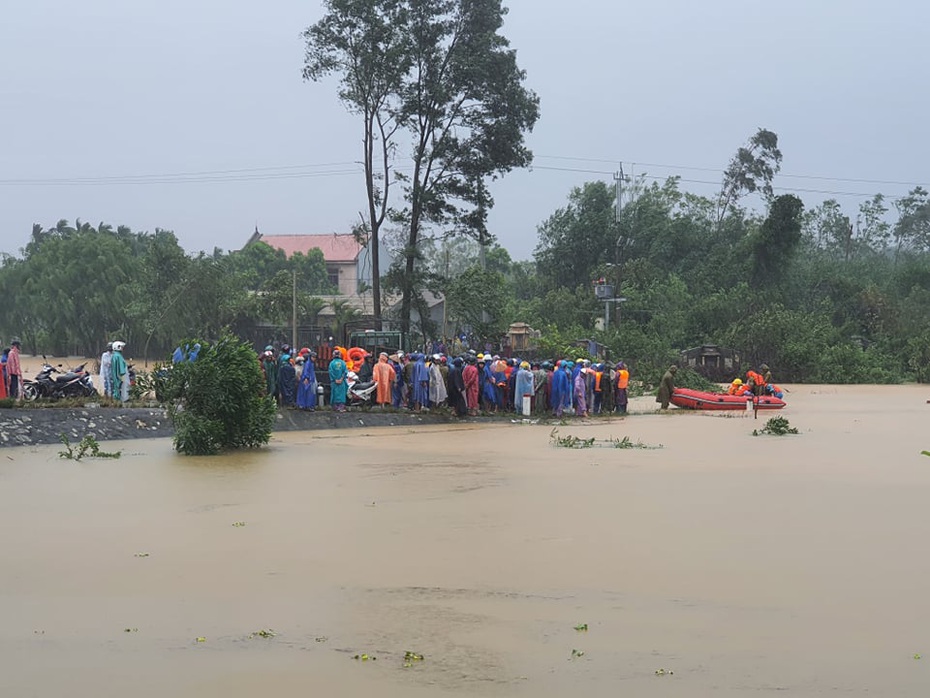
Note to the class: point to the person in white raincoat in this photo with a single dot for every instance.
(105, 387)
(437, 386)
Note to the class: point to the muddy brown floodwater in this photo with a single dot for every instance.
(732, 565)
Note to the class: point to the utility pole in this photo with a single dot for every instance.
(618, 178)
(294, 311)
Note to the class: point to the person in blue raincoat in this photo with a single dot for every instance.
(488, 386)
(337, 381)
(523, 386)
(306, 388)
(420, 382)
(561, 388)
(397, 390)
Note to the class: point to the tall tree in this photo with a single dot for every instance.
(476, 301)
(575, 240)
(912, 230)
(467, 110)
(365, 44)
(828, 228)
(777, 240)
(752, 169)
(872, 230)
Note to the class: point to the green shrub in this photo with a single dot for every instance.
(218, 402)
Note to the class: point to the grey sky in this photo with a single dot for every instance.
(116, 89)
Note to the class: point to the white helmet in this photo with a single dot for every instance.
(119, 346)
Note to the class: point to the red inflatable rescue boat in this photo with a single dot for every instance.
(699, 400)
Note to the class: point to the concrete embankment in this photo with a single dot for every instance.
(45, 425)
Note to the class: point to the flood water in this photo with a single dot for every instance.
(739, 565)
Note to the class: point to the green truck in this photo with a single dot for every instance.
(376, 341)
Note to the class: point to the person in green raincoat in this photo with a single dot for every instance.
(667, 386)
(338, 387)
(270, 367)
(119, 373)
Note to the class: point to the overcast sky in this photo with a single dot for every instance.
(112, 91)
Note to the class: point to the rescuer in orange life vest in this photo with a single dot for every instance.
(598, 387)
(737, 387)
(755, 382)
(623, 380)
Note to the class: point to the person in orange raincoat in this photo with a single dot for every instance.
(383, 373)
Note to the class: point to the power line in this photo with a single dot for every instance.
(240, 174)
(717, 170)
(707, 182)
(306, 171)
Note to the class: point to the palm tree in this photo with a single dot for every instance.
(343, 313)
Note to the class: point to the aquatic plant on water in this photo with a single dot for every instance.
(776, 426)
(572, 441)
(87, 446)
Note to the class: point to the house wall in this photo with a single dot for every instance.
(348, 276)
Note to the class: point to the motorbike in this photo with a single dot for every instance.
(76, 382)
(359, 394)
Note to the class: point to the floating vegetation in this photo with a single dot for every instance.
(917, 655)
(776, 426)
(569, 441)
(239, 524)
(576, 442)
(410, 658)
(926, 453)
(141, 555)
(87, 446)
(263, 633)
(576, 654)
(364, 657)
(626, 442)
(664, 672)
(200, 639)
(130, 630)
(582, 628)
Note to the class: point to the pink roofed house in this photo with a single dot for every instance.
(348, 262)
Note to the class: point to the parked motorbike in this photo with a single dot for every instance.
(76, 382)
(359, 394)
(43, 385)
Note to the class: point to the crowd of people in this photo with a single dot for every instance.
(469, 383)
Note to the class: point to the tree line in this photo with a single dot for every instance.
(75, 287)
(816, 295)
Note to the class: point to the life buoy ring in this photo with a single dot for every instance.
(357, 356)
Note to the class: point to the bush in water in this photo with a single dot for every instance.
(218, 402)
